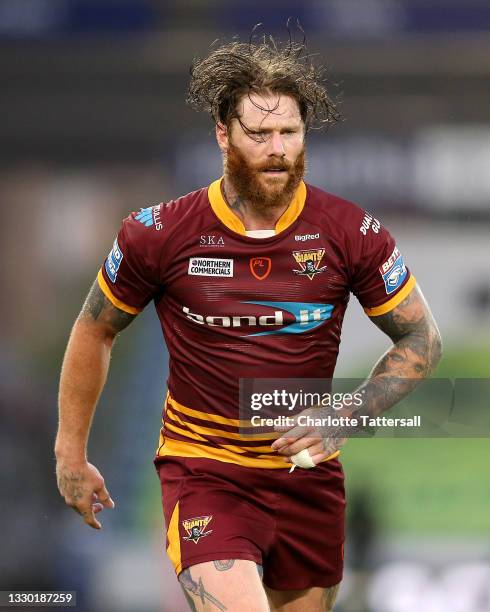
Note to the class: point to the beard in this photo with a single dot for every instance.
(263, 190)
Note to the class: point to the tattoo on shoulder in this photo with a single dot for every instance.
(98, 308)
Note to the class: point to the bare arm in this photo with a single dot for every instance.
(83, 376)
(415, 353)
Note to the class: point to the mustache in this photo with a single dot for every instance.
(275, 165)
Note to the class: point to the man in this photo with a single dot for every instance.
(250, 278)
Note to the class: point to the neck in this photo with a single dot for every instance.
(252, 218)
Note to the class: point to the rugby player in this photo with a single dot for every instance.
(250, 277)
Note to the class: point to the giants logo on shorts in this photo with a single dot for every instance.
(195, 527)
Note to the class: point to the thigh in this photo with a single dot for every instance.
(316, 599)
(227, 584)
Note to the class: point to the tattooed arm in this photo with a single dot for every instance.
(416, 351)
(414, 355)
(83, 376)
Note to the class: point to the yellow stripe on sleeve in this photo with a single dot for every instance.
(394, 301)
(113, 299)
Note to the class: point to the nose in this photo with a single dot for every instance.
(276, 145)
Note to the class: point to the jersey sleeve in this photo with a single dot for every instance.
(130, 276)
(380, 278)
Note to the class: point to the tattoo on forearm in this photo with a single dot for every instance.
(414, 355)
(98, 308)
(224, 564)
(191, 587)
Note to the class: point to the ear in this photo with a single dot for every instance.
(222, 137)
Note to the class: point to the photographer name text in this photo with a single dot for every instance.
(363, 420)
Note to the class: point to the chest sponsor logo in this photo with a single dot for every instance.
(211, 240)
(369, 222)
(150, 216)
(196, 528)
(309, 262)
(210, 266)
(113, 261)
(304, 237)
(286, 318)
(260, 267)
(393, 271)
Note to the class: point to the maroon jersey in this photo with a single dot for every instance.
(232, 306)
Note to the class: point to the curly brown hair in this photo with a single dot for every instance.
(236, 69)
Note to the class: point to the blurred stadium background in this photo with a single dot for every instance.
(94, 125)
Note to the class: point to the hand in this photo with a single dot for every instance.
(321, 441)
(83, 488)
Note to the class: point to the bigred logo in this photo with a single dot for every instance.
(260, 267)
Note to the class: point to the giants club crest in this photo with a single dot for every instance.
(260, 267)
(195, 527)
(309, 262)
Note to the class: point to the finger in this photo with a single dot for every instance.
(332, 445)
(89, 518)
(286, 427)
(104, 497)
(320, 457)
(312, 450)
(96, 508)
(282, 443)
(298, 446)
(297, 432)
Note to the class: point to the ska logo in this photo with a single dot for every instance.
(260, 267)
(211, 240)
(309, 262)
(196, 528)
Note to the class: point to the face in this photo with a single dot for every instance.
(264, 150)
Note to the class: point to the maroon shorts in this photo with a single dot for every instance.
(290, 524)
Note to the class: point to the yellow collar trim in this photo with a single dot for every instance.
(233, 222)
